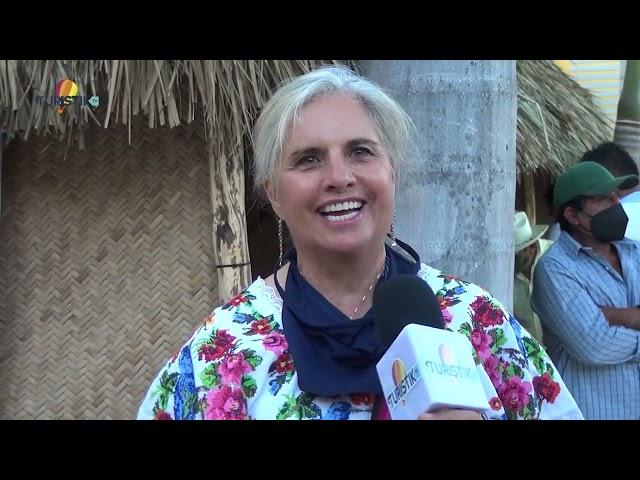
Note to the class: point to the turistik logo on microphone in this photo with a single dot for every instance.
(403, 380)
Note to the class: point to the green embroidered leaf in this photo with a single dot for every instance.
(510, 370)
(310, 411)
(305, 398)
(306, 408)
(549, 370)
(254, 361)
(535, 353)
(209, 376)
(465, 328)
(538, 362)
(163, 400)
(530, 346)
(499, 338)
(534, 406)
(168, 380)
(288, 409)
(249, 386)
(251, 358)
(166, 387)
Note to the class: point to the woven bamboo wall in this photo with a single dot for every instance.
(106, 267)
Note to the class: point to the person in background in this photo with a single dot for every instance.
(529, 247)
(615, 159)
(586, 291)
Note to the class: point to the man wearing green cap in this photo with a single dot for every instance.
(586, 291)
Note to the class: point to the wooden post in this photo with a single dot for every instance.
(529, 189)
(230, 242)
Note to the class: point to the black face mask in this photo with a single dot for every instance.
(609, 225)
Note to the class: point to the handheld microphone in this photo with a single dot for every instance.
(426, 368)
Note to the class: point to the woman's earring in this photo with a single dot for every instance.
(392, 234)
(280, 240)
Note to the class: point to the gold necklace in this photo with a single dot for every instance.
(365, 296)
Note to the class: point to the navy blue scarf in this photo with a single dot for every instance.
(332, 354)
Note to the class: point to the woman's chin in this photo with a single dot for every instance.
(347, 246)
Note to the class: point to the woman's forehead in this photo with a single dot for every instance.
(332, 119)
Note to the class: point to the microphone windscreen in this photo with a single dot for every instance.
(402, 300)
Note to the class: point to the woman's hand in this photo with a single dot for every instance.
(451, 414)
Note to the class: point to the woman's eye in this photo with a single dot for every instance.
(361, 151)
(308, 160)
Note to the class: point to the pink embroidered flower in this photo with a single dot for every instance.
(232, 368)
(491, 366)
(486, 314)
(482, 343)
(546, 388)
(446, 316)
(225, 403)
(275, 342)
(514, 393)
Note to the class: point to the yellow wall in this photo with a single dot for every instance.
(602, 77)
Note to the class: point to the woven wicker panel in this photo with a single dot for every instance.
(106, 267)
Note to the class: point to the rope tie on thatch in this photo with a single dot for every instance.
(233, 265)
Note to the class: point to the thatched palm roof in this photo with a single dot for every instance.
(168, 92)
(557, 119)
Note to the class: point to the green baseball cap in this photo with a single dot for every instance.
(589, 179)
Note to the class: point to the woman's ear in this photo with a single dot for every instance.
(273, 197)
